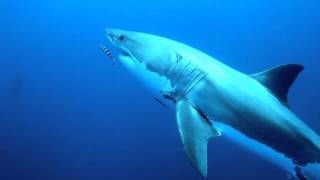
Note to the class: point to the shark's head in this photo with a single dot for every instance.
(141, 48)
(148, 56)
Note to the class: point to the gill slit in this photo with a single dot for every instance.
(180, 76)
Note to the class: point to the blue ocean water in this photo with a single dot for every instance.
(67, 113)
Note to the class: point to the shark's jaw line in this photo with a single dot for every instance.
(124, 52)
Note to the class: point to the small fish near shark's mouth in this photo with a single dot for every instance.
(121, 55)
(122, 52)
(108, 53)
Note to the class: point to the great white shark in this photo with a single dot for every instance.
(212, 99)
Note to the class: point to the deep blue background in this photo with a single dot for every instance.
(67, 113)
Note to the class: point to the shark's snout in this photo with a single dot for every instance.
(111, 35)
(115, 35)
(119, 38)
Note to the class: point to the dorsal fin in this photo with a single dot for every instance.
(279, 79)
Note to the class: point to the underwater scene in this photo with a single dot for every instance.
(159, 89)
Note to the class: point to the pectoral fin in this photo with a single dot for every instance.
(195, 132)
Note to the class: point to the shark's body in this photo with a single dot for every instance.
(213, 99)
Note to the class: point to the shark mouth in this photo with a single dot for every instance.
(125, 53)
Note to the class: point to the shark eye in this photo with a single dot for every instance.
(121, 38)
